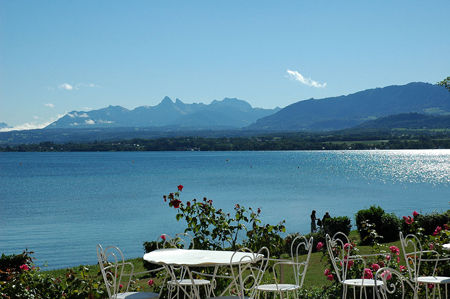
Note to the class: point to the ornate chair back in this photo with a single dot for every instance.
(112, 265)
(299, 246)
(247, 269)
(339, 248)
(412, 251)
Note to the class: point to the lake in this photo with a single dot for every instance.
(60, 205)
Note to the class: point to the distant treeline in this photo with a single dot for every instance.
(354, 140)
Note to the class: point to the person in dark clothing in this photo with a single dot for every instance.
(325, 217)
(313, 221)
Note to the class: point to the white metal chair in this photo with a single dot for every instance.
(341, 258)
(247, 270)
(184, 283)
(414, 256)
(117, 278)
(395, 284)
(299, 264)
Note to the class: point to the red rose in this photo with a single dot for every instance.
(368, 273)
(180, 187)
(24, 267)
(415, 214)
(319, 246)
(150, 282)
(176, 203)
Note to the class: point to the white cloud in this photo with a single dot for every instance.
(89, 122)
(294, 75)
(49, 105)
(31, 125)
(65, 86)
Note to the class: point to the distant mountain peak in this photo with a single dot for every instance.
(230, 113)
(166, 101)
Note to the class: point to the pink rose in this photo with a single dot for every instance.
(415, 214)
(394, 249)
(402, 268)
(24, 267)
(350, 264)
(430, 285)
(437, 230)
(319, 246)
(163, 236)
(330, 277)
(408, 220)
(388, 257)
(150, 282)
(386, 275)
(368, 273)
(327, 272)
(348, 246)
(375, 267)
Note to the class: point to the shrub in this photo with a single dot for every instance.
(427, 222)
(389, 227)
(374, 224)
(12, 263)
(27, 281)
(337, 224)
(214, 229)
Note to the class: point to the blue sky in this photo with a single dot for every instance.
(59, 56)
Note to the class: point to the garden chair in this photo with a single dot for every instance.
(395, 284)
(112, 265)
(179, 285)
(339, 250)
(414, 258)
(300, 246)
(247, 272)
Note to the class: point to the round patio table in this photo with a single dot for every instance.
(172, 258)
(199, 258)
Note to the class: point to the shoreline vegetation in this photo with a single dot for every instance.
(352, 140)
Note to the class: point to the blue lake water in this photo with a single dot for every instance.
(61, 205)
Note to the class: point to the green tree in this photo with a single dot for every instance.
(445, 83)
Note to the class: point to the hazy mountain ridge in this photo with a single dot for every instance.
(230, 113)
(351, 110)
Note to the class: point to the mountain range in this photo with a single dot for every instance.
(219, 115)
(352, 110)
(412, 106)
(326, 114)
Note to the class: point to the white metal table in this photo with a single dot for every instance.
(171, 258)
